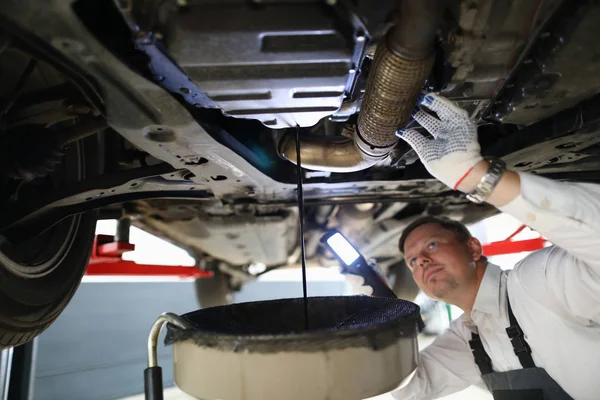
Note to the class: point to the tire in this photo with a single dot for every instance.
(31, 303)
(212, 292)
(38, 277)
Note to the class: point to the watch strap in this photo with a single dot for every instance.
(486, 186)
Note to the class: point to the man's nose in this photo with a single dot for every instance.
(423, 260)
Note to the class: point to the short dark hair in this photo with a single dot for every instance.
(459, 229)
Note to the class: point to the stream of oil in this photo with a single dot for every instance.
(301, 215)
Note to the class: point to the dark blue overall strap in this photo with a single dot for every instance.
(517, 338)
(483, 361)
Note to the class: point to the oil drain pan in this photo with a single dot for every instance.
(356, 347)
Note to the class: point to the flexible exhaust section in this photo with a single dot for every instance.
(402, 63)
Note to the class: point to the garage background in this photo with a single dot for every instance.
(96, 350)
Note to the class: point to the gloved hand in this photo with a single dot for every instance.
(454, 149)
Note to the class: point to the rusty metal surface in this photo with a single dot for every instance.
(559, 71)
(486, 46)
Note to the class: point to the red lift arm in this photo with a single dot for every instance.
(106, 259)
(510, 246)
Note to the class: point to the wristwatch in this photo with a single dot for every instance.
(484, 188)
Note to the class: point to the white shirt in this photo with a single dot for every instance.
(554, 294)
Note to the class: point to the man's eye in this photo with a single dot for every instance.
(413, 261)
(432, 245)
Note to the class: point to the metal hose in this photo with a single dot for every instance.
(401, 65)
(162, 319)
(390, 97)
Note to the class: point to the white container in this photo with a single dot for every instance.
(349, 363)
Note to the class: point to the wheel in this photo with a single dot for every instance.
(403, 283)
(213, 291)
(39, 276)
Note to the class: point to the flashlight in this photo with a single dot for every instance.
(354, 263)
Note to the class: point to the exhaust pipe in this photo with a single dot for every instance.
(329, 153)
(402, 63)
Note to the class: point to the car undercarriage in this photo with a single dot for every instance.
(182, 117)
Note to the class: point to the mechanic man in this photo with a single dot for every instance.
(548, 306)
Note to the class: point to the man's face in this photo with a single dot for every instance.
(441, 264)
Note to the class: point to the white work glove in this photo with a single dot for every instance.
(454, 149)
(356, 285)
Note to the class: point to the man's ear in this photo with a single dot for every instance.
(475, 248)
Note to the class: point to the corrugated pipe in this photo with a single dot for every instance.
(402, 63)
